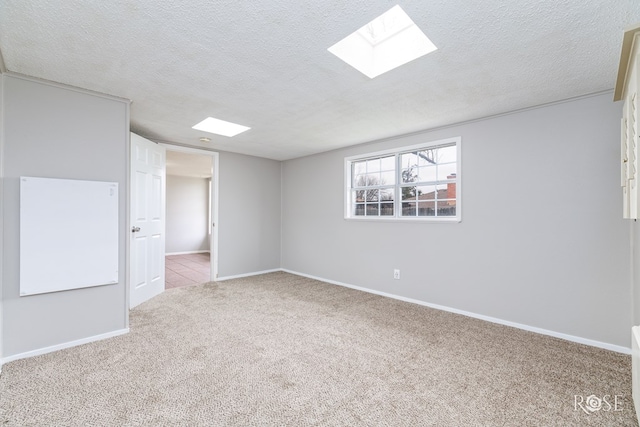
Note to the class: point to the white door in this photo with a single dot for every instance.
(147, 219)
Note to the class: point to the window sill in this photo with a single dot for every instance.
(454, 220)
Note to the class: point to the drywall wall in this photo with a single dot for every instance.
(542, 241)
(249, 215)
(1, 204)
(187, 214)
(57, 132)
(634, 232)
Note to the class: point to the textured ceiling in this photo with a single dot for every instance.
(265, 64)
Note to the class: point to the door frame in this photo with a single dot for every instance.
(213, 198)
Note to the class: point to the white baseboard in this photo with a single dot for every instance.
(580, 340)
(255, 273)
(186, 253)
(62, 346)
(635, 368)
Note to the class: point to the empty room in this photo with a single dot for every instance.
(319, 213)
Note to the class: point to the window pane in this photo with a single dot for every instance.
(373, 179)
(447, 191)
(409, 174)
(446, 207)
(358, 209)
(426, 209)
(386, 194)
(386, 209)
(409, 159)
(426, 192)
(373, 165)
(427, 157)
(368, 180)
(427, 174)
(409, 209)
(358, 168)
(388, 178)
(357, 196)
(408, 193)
(447, 171)
(372, 209)
(388, 163)
(372, 195)
(447, 154)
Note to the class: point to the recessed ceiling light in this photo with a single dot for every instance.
(220, 127)
(387, 42)
(204, 139)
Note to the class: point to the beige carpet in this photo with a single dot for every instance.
(279, 349)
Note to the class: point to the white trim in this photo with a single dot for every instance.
(185, 149)
(214, 209)
(67, 87)
(62, 346)
(186, 253)
(2, 112)
(635, 367)
(403, 149)
(281, 209)
(255, 273)
(442, 219)
(573, 338)
(127, 206)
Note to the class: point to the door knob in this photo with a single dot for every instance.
(135, 229)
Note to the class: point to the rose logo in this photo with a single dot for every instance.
(593, 403)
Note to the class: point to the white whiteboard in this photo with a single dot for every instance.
(68, 234)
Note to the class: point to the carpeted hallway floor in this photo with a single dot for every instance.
(279, 349)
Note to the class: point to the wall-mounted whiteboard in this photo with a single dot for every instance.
(68, 234)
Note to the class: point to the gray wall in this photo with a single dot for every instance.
(187, 214)
(249, 215)
(542, 241)
(1, 204)
(56, 132)
(634, 228)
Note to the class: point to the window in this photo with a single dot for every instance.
(421, 182)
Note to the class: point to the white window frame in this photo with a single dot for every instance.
(348, 205)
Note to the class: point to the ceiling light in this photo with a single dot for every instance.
(387, 42)
(220, 127)
(204, 139)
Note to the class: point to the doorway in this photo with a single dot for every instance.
(186, 269)
(191, 216)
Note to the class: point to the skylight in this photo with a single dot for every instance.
(387, 42)
(220, 127)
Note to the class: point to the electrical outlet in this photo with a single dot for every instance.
(396, 274)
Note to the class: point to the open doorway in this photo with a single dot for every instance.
(191, 211)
